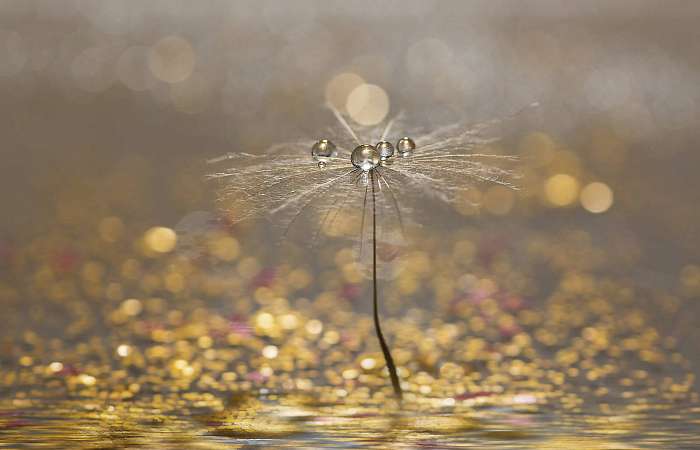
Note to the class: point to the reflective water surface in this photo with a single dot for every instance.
(269, 424)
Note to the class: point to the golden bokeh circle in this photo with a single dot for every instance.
(368, 104)
(596, 197)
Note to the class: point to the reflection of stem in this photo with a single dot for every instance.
(382, 343)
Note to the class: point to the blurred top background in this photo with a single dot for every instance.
(113, 107)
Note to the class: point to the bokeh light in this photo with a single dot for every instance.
(561, 189)
(56, 366)
(133, 68)
(160, 239)
(131, 307)
(172, 59)
(123, 350)
(270, 352)
(367, 104)
(596, 197)
(338, 89)
(224, 247)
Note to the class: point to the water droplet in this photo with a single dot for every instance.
(365, 157)
(322, 150)
(405, 146)
(385, 149)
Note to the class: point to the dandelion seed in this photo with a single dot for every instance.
(351, 188)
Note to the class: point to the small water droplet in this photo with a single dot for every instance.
(405, 146)
(322, 150)
(385, 149)
(321, 164)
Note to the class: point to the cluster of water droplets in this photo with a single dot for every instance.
(364, 156)
(437, 164)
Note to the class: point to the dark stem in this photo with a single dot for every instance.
(382, 343)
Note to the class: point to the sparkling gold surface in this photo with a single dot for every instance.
(150, 336)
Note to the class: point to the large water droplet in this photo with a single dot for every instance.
(365, 157)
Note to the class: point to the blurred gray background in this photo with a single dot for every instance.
(115, 106)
